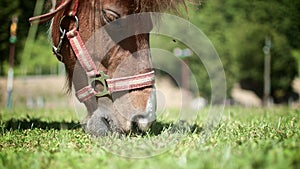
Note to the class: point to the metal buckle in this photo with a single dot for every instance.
(102, 79)
(56, 49)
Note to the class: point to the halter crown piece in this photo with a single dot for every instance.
(109, 85)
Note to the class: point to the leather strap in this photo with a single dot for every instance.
(85, 93)
(82, 54)
(46, 17)
(73, 8)
(131, 82)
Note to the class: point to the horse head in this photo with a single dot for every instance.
(115, 35)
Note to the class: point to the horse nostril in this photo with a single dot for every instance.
(139, 123)
(106, 122)
(135, 127)
(98, 124)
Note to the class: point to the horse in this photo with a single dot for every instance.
(114, 78)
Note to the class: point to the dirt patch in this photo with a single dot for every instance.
(48, 92)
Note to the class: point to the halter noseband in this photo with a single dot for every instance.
(86, 62)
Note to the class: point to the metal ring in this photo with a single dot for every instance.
(72, 17)
(101, 79)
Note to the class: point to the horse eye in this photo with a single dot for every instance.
(110, 16)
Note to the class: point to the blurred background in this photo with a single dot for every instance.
(257, 41)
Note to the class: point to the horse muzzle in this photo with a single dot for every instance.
(118, 116)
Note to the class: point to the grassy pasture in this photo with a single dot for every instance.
(245, 138)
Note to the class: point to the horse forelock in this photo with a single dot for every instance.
(158, 5)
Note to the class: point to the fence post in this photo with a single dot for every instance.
(267, 71)
(10, 75)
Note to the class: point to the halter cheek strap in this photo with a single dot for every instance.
(82, 54)
(109, 85)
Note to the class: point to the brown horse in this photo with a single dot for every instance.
(115, 61)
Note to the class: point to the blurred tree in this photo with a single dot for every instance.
(238, 30)
(7, 10)
(24, 10)
(41, 60)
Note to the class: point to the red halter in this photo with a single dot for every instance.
(87, 63)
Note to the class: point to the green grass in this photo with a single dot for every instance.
(245, 138)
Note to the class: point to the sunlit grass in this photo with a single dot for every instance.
(245, 138)
(48, 115)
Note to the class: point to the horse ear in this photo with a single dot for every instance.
(161, 5)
